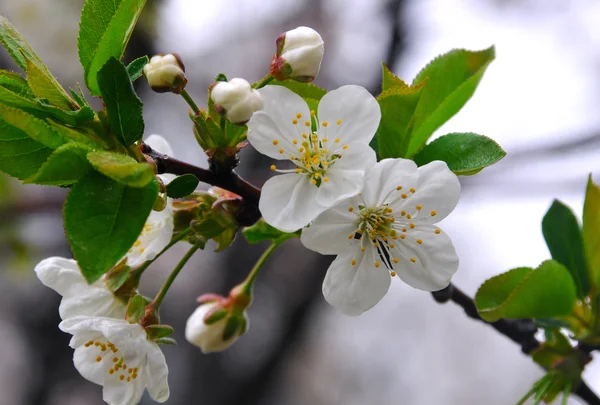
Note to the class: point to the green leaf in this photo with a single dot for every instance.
(44, 85)
(82, 135)
(104, 31)
(261, 231)
(546, 292)
(451, 80)
(398, 106)
(15, 83)
(103, 219)
(390, 80)
(591, 227)
(123, 106)
(158, 331)
(465, 153)
(73, 118)
(122, 168)
(135, 309)
(304, 90)
(34, 127)
(20, 156)
(67, 165)
(136, 68)
(182, 186)
(565, 242)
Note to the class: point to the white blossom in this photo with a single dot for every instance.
(209, 338)
(165, 73)
(386, 231)
(330, 161)
(237, 99)
(117, 355)
(79, 297)
(299, 55)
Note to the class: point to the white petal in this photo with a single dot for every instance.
(79, 298)
(118, 392)
(85, 362)
(274, 122)
(328, 234)
(355, 289)
(438, 189)
(358, 111)
(154, 238)
(383, 179)
(436, 259)
(157, 373)
(346, 176)
(159, 144)
(288, 202)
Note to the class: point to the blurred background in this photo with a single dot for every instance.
(540, 100)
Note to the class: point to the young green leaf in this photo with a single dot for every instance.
(304, 90)
(398, 106)
(44, 86)
(67, 165)
(136, 68)
(34, 127)
(104, 31)
(103, 219)
(564, 240)
(123, 106)
(465, 153)
(122, 168)
(73, 118)
(20, 156)
(390, 80)
(451, 80)
(15, 83)
(182, 186)
(546, 292)
(591, 225)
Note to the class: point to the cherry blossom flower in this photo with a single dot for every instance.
(330, 160)
(117, 355)
(388, 231)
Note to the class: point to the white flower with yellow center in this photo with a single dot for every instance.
(388, 231)
(330, 151)
(117, 355)
(79, 297)
(158, 230)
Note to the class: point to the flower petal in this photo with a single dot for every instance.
(328, 234)
(157, 373)
(437, 192)
(346, 176)
(275, 122)
(288, 202)
(436, 259)
(117, 392)
(79, 298)
(159, 144)
(383, 179)
(156, 235)
(358, 111)
(355, 289)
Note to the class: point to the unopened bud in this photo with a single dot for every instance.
(299, 55)
(236, 99)
(213, 327)
(166, 73)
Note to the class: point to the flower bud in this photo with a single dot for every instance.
(166, 73)
(236, 99)
(299, 55)
(213, 327)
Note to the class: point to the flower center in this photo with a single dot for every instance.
(108, 354)
(313, 154)
(148, 227)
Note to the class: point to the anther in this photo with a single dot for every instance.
(403, 196)
(412, 259)
(392, 246)
(419, 241)
(295, 142)
(377, 264)
(412, 190)
(393, 273)
(313, 181)
(363, 249)
(111, 371)
(402, 213)
(353, 262)
(412, 226)
(345, 147)
(324, 123)
(409, 216)
(307, 123)
(325, 179)
(121, 377)
(128, 379)
(396, 260)
(273, 167)
(324, 140)
(418, 207)
(433, 213)
(437, 231)
(350, 209)
(294, 122)
(403, 229)
(281, 150)
(337, 140)
(403, 236)
(298, 115)
(399, 188)
(275, 142)
(98, 359)
(339, 122)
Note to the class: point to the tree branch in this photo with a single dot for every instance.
(520, 331)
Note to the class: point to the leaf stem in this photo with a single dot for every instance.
(155, 304)
(263, 82)
(249, 282)
(186, 96)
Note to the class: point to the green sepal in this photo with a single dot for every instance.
(135, 309)
(225, 239)
(123, 106)
(103, 219)
(563, 237)
(451, 81)
(465, 153)
(232, 327)
(216, 316)
(67, 165)
(182, 186)
(155, 332)
(117, 276)
(590, 233)
(122, 168)
(262, 231)
(136, 68)
(166, 341)
(546, 292)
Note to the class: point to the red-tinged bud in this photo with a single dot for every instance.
(299, 55)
